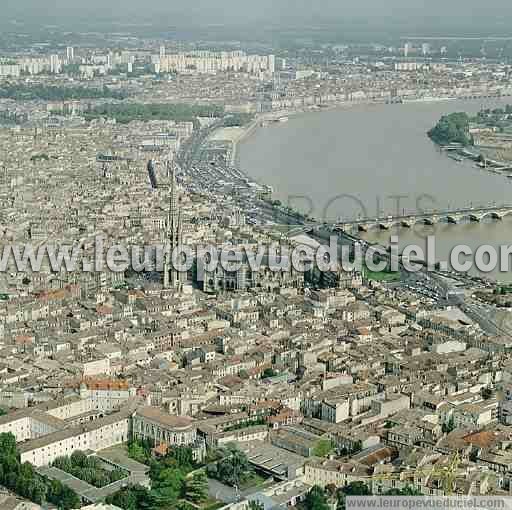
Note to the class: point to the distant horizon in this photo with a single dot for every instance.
(359, 18)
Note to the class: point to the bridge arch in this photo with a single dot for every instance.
(494, 215)
(375, 225)
(430, 218)
(499, 215)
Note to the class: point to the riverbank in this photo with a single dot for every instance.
(245, 132)
(485, 138)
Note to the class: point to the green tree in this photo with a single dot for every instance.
(139, 451)
(408, 490)
(63, 463)
(256, 505)
(357, 489)
(233, 468)
(168, 486)
(9, 462)
(69, 499)
(63, 497)
(269, 372)
(7, 445)
(453, 128)
(125, 498)
(38, 491)
(185, 505)
(133, 497)
(316, 499)
(323, 448)
(78, 458)
(448, 427)
(116, 475)
(213, 455)
(352, 489)
(29, 92)
(196, 487)
(88, 469)
(127, 112)
(184, 457)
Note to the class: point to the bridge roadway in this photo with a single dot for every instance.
(432, 217)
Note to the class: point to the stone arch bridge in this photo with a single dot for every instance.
(474, 214)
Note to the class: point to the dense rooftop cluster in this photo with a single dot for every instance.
(319, 380)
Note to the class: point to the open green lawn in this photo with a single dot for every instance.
(382, 276)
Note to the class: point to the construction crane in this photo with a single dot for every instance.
(446, 474)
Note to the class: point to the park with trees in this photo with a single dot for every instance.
(88, 469)
(455, 127)
(233, 469)
(23, 479)
(31, 92)
(452, 128)
(128, 112)
(177, 481)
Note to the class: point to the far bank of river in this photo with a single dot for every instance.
(374, 160)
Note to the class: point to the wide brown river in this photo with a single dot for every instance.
(375, 160)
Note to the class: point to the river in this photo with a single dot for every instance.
(356, 161)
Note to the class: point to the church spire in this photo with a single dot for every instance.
(172, 231)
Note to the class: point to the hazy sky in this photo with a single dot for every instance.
(469, 13)
(268, 8)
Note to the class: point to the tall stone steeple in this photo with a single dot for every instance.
(173, 232)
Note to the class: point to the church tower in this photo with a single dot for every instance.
(173, 233)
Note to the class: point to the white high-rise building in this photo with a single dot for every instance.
(162, 51)
(10, 70)
(70, 53)
(272, 63)
(209, 62)
(55, 65)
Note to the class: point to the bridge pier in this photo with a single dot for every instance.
(430, 221)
